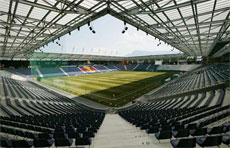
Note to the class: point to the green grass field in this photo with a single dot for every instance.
(111, 89)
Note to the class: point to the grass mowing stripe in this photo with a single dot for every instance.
(93, 81)
(113, 88)
(80, 88)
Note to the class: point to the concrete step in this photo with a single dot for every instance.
(115, 132)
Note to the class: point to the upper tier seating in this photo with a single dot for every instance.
(71, 70)
(131, 66)
(152, 67)
(199, 78)
(112, 67)
(23, 71)
(142, 67)
(100, 67)
(51, 71)
(120, 67)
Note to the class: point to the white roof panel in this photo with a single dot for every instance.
(18, 25)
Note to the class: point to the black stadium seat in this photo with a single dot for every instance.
(73, 135)
(83, 141)
(191, 126)
(63, 142)
(198, 132)
(152, 130)
(177, 127)
(214, 130)
(5, 142)
(31, 135)
(226, 127)
(81, 129)
(20, 133)
(92, 129)
(12, 131)
(183, 143)
(43, 142)
(60, 129)
(22, 143)
(180, 133)
(45, 136)
(60, 135)
(163, 135)
(68, 130)
(209, 141)
(226, 139)
(88, 134)
(165, 128)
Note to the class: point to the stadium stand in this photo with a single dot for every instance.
(120, 67)
(22, 71)
(169, 118)
(51, 71)
(141, 67)
(71, 70)
(199, 78)
(100, 67)
(176, 67)
(88, 69)
(186, 94)
(31, 115)
(152, 67)
(131, 66)
(27, 72)
(112, 67)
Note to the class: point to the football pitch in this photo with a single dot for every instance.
(111, 89)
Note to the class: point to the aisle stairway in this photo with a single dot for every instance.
(115, 132)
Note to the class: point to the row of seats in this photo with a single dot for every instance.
(29, 107)
(186, 121)
(201, 141)
(29, 90)
(154, 122)
(37, 117)
(6, 142)
(201, 77)
(46, 130)
(181, 133)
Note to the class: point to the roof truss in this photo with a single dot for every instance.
(194, 27)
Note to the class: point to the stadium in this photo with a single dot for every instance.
(114, 73)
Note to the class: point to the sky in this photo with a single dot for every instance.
(109, 40)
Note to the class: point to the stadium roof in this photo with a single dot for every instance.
(40, 56)
(196, 27)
